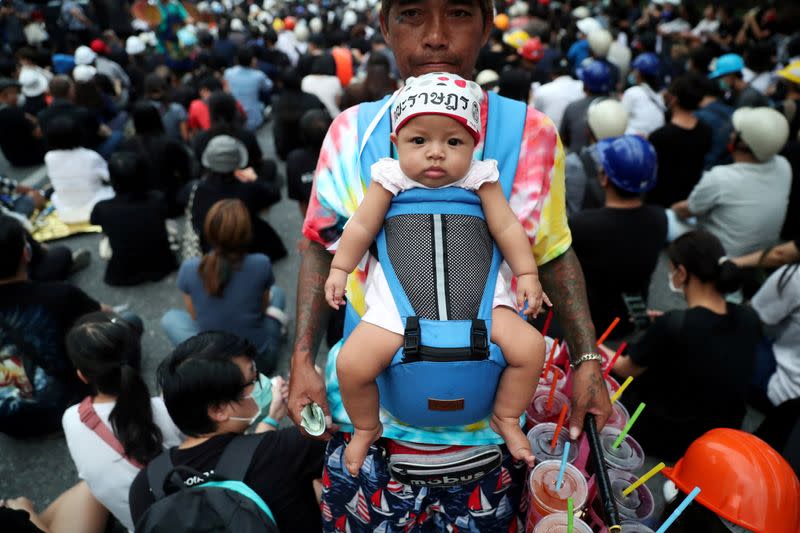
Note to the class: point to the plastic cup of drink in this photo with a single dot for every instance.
(639, 504)
(538, 412)
(611, 384)
(540, 438)
(557, 523)
(546, 498)
(630, 526)
(619, 416)
(628, 456)
(546, 379)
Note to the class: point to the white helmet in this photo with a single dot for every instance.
(620, 55)
(588, 25)
(764, 130)
(349, 19)
(518, 9)
(315, 25)
(600, 42)
(487, 77)
(581, 12)
(301, 33)
(607, 118)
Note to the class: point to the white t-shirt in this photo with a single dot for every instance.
(782, 309)
(107, 473)
(327, 88)
(645, 109)
(78, 177)
(381, 309)
(743, 204)
(554, 97)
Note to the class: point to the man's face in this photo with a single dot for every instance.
(435, 36)
(9, 96)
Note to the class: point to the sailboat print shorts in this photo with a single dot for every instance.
(373, 502)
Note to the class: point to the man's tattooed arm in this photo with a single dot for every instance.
(312, 309)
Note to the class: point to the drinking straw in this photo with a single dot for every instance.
(563, 467)
(642, 480)
(607, 332)
(614, 359)
(551, 358)
(628, 426)
(678, 510)
(561, 418)
(547, 321)
(621, 389)
(549, 404)
(601, 474)
(570, 515)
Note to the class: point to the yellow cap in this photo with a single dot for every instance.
(791, 72)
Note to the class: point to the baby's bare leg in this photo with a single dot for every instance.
(523, 348)
(367, 352)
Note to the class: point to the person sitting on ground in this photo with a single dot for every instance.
(693, 367)
(79, 176)
(301, 162)
(134, 222)
(199, 116)
(20, 134)
(250, 87)
(229, 289)
(625, 228)
(73, 510)
(229, 176)
(210, 385)
(323, 83)
(173, 115)
(106, 353)
(289, 105)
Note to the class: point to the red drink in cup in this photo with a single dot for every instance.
(557, 523)
(553, 372)
(546, 498)
(538, 411)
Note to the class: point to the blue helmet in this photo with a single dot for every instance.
(647, 63)
(596, 76)
(727, 64)
(630, 162)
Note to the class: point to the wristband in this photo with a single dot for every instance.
(591, 356)
(271, 422)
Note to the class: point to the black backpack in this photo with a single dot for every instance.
(223, 503)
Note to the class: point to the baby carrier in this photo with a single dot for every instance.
(442, 281)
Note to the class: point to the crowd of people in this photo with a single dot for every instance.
(605, 141)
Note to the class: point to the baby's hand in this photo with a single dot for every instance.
(335, 287)
(529, 289)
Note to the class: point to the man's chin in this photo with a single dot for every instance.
(427, 68)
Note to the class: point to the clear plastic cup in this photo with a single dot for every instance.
(546, 498)
(639, 504)
(629, 456)
(611, 384)
(547, 378)
(540, 438)
(619, 416)
(557, 523)
(629, 526)
(537, 411)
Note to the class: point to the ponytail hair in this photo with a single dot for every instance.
(228, 230)
(107, 351)
(703, 257)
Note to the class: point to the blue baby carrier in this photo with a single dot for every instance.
(442, 280)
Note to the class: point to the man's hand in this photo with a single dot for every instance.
(589, 395)
(307, 386)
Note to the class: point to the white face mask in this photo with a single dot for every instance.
(672, 287)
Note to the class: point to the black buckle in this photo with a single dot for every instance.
(411, 339)
(479, 339)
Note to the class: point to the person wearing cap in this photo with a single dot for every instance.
(745, 486)
(33, 85)
(644, 104)
(596, 78)
(579, 51)
(432, 41)
(553, 97)
(600, 42)
(625, 228)
(743, 204)
(726, 70)
(84, 55)
(20, 134)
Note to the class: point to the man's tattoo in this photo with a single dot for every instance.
(312, 309)
(562, 280)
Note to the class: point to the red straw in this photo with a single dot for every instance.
(549, 404)
(561, 418)
(607, 332)
(614, 359)
(547, 322)
(551, 358)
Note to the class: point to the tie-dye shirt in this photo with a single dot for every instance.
(537, 197)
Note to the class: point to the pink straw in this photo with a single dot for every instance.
(614, 359)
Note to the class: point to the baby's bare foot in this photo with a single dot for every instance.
(358, 447)
(516, 441)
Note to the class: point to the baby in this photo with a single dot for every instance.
(435, 146)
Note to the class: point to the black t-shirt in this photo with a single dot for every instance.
(618, 250)
(699, 366)
(791, 225)
(289, 107)
(300, 165)
(42, 313)
(281, 472)
(138, 238)
(19, 145)
(87, 121)
(681, 155)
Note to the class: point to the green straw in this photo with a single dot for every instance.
(628, 426)
(570, 516)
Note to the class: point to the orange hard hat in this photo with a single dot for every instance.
(742, 479)
(532, 49)
(289, 23)
(501, 22)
